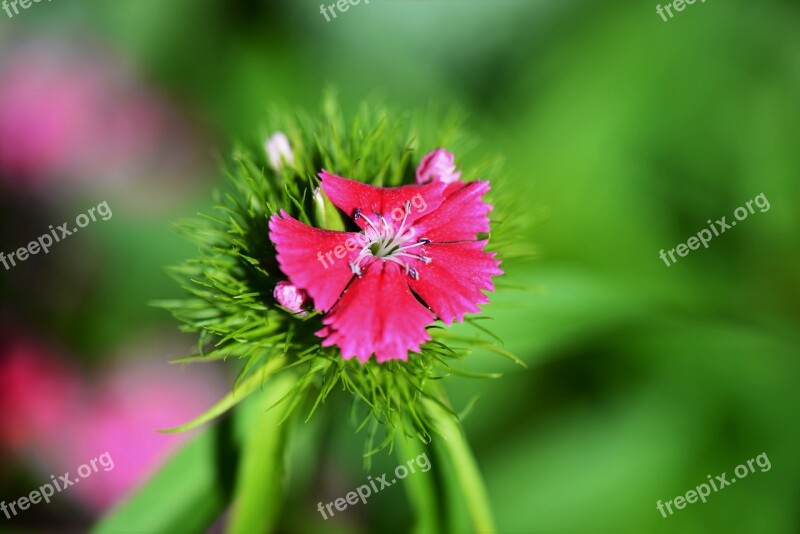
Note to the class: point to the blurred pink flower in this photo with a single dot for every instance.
(44, 118)
(37, 393)
(130, 405)
(58, 421)
(77, 114)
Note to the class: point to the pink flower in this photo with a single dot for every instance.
(438, 166)
(290, 297)
(416, 259)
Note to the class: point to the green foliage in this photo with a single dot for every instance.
(231, 283)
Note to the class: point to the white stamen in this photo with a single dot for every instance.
(388, 244)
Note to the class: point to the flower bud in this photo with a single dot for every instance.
(279, 151)
(327, 215)
(438, 165)
(290, 297)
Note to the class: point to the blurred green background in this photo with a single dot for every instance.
(622, 135)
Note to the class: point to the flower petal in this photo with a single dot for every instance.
(460, 217)
(451, 285)
(350, 195)
(308, 256)
(377, 314)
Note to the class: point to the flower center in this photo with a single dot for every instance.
(384, 241)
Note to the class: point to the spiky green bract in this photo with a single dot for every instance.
(231, 282)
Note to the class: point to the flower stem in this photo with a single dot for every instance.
(257, 494)
(465, 481)
(420, 489)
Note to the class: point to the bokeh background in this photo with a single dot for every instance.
(622, 134)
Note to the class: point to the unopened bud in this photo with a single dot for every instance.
(327, 215)
(279, 151)
(290, 297)
(438, 165)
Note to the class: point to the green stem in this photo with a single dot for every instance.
(465, 480)
(257, 493)
(420, 489)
